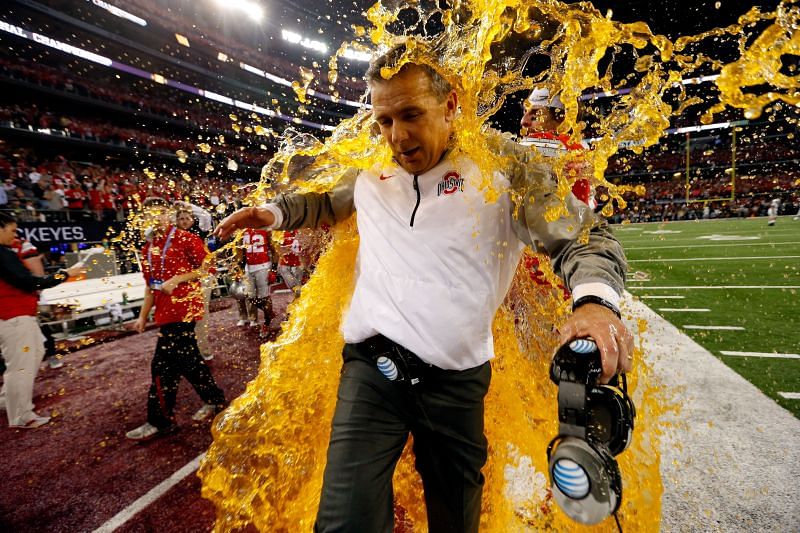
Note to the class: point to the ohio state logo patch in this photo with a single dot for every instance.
(451, 182)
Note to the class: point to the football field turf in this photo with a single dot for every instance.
(733, 285)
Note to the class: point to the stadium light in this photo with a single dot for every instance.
(357, 55)
(620, 92)
(305, 42)
(703, 127)
(252, 9)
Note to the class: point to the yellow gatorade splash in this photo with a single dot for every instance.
(265, 466)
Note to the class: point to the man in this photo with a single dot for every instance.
(32, 259)
(772, 211)
(75, 197)
(185, 220)
(172, 263)
(20, 336)
(290, 266)
(540, 121)
(432, 271)
(258, 266)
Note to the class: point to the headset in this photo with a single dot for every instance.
(595, 425)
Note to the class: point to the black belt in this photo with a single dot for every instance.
(396, 363)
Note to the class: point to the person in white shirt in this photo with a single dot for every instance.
(435, 261)
(772, 211)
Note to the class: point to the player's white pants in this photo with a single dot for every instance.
(23, 350)
(257, 284)
(292, 276)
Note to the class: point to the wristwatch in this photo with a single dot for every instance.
(592, 299)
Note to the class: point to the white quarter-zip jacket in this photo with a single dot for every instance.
(434, 263)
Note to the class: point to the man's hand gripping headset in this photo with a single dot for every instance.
(595, 425)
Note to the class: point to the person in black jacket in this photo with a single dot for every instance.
(20, 337)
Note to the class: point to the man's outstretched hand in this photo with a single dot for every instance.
(613, 339)
(246, 217)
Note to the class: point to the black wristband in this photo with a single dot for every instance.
(592, 299)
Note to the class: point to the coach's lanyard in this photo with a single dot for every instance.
(167, 244)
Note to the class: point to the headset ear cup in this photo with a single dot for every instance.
(585, 480)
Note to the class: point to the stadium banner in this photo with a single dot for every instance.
(52, 233)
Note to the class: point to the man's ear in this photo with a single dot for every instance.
(452, 106)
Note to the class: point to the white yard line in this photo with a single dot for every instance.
(682, 259)
(721, 328)
(775, 244)
(790, 395)
(152, 495)
(656, 297)
(689, 287)
(683, 310)
(761, 354)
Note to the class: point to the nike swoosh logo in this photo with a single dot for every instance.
(386, 177)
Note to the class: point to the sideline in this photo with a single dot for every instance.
(726, 459)
(152, 495)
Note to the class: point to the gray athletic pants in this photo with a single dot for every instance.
(371, 424)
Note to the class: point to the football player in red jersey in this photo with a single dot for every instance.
(291, 266)
(258, 264)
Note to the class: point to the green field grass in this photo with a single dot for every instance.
(710, 263)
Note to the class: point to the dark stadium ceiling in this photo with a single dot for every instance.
(332, 20)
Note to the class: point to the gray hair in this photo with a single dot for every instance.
(440, 87)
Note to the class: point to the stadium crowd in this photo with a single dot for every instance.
(710, 198)
(41, 189)
(165, 103)
(98, 130)
(673, 158)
